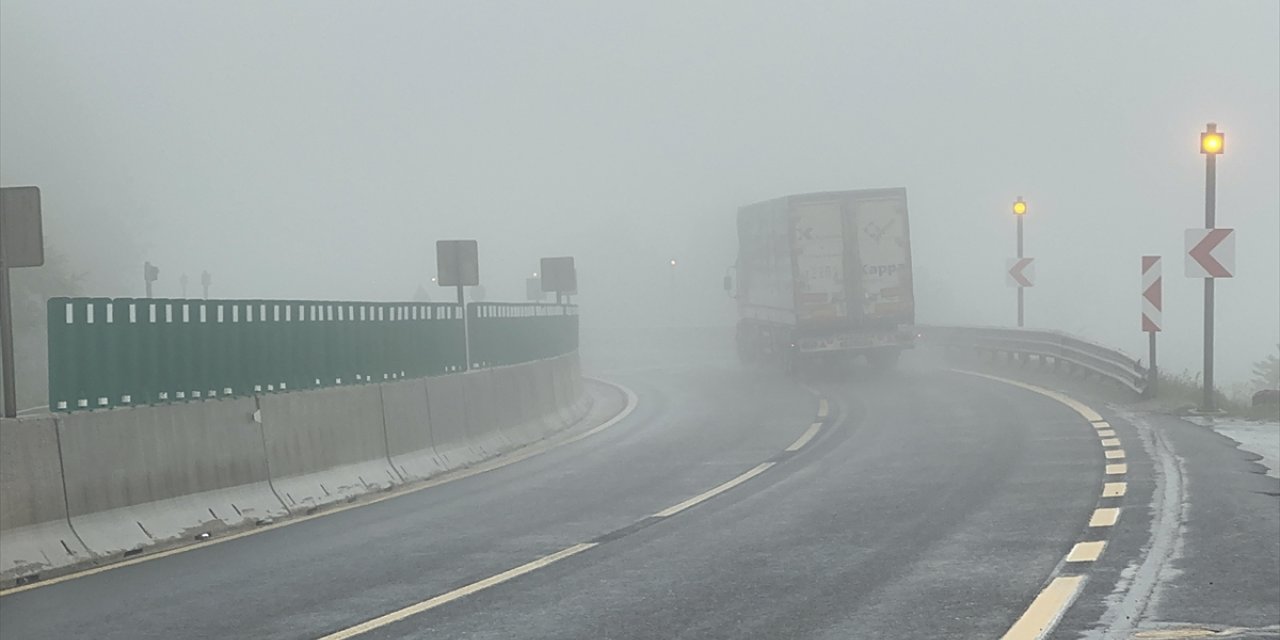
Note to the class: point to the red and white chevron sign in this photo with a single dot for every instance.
(1152, 294)
(1211, 253)
(1021, 272)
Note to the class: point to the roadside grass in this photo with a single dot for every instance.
(1181, 393)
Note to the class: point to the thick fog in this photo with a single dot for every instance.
(319, 149)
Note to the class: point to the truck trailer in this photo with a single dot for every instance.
(824, 276)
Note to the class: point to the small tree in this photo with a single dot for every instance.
(1266, 372)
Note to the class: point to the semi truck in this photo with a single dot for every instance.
(824, 276)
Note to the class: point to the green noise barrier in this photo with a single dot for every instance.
(109, 352)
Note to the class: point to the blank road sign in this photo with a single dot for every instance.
(533, 290)
(457, 263)
(559, 274)
(21, 240)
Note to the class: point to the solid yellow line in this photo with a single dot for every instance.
(1106, 433)
(462, 592)
(805, 437)
(1113, 454)
(1117, 469)
(496, 462)
(711, 493)
(1104, 517)
(1086, 551)
(1045, 611)
(1111, 442)
(823, 409)
(1114, 489)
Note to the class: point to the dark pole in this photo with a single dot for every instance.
(466, 329)
(1153, 373)
(1020, 292)
(6, 345)
(1210, 403)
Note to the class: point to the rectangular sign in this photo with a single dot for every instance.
(21, 238)
(1211, 253)
(457, 263)
(559, 274)
(1152, 294)
(533, 290)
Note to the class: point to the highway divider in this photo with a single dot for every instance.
(94, 487)
(34, 529)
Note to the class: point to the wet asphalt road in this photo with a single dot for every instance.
(930, 505)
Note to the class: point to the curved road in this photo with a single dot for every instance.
(930, 504)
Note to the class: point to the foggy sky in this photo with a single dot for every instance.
(319, 149)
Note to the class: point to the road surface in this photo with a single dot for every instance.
(929, 504)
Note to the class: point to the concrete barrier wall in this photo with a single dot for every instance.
(96, 485)
(152, 475)
(447, 414)
(326, 445)
(410, 442)
(35, 535)
(482, 412)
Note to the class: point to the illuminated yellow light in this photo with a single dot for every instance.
(1019, 208)
(1211, 143)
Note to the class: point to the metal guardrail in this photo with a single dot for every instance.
(107, 352)
(1061, 348)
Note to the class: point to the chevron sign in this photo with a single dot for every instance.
(1211, 253)
(1152, 296)
(1021, 272)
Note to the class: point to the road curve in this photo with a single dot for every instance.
(929, 504)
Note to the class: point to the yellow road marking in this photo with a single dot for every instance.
(1045, 611)
(805, 437)
(1104, 516)
(1052, 602)
(462, 592)
(1111, 442)
(1086, 551)
(452, 476)
(823, 409)
(1079, 407)
(1113, 454)
(1114, 489)
(711, 493)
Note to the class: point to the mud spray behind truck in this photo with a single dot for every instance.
(824, 276)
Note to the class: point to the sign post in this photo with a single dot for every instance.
(1017, 267)
(1212, 142)
(21, 245)
(1152, 312)
(458, 265)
